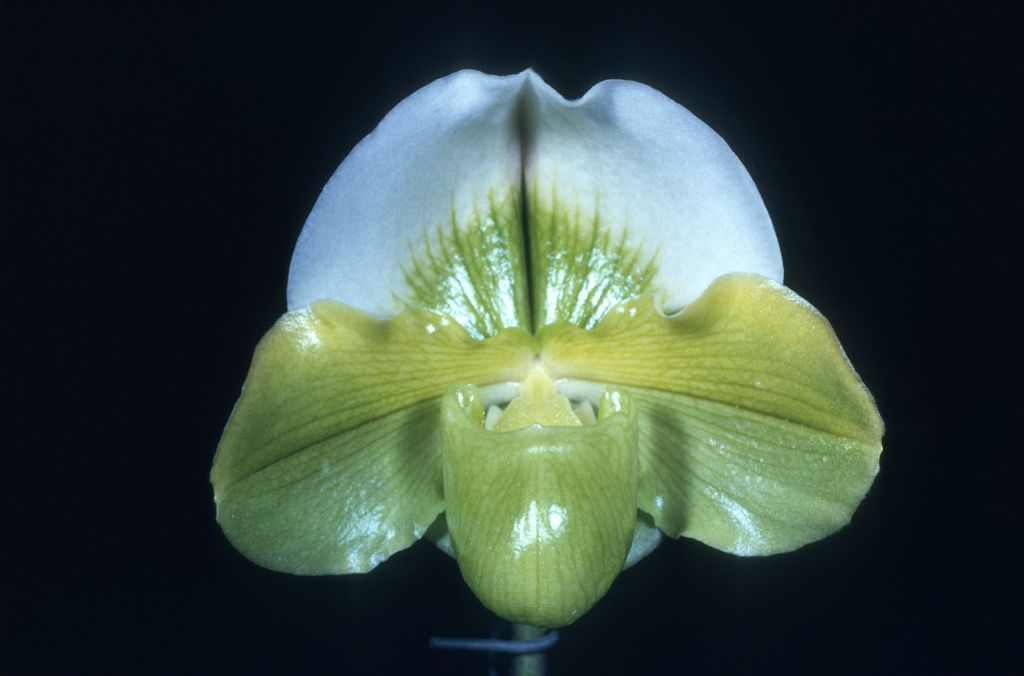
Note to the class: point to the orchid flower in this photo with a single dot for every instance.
(541, 333)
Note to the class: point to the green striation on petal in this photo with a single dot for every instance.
(331, 459)
(475, 272)
(578, 269)
(541, 519)
(757, 436)
(481, 274)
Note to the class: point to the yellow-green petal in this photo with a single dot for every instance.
(757, 436)
(342, 505)
(541, 519)
(330, 461)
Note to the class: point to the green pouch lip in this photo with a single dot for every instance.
(541, 519)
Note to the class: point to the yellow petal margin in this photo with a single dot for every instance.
(331, 460)
(541, 518)
(756, 434)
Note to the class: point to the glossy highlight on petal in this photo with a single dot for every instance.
(474, 274)
(579, 271)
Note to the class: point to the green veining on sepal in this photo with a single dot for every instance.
(540, 519)
(475, 272)
(579, 268)
(757, 436)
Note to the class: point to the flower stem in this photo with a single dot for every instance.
(529, 664)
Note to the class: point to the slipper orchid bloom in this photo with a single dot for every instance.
(541, 333)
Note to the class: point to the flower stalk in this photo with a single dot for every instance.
(528, 664)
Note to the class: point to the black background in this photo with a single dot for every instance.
(157, 168)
